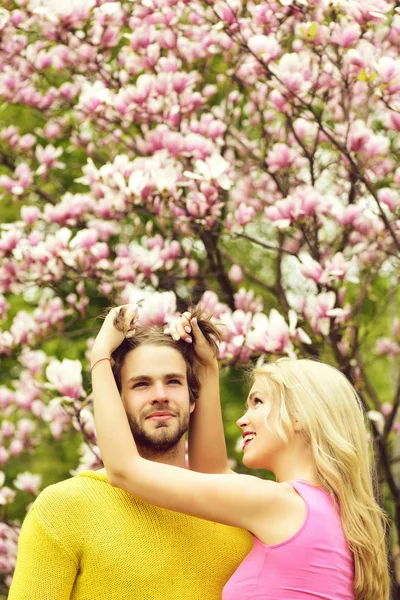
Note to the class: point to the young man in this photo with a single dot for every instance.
(86, 540)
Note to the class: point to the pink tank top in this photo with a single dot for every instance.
(315, 563)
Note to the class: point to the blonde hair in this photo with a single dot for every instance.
(330, 414)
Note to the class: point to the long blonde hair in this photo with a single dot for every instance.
(330, 413)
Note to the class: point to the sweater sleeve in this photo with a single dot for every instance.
(44, 570)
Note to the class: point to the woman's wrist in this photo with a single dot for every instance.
(99, 360)
(99, 353)
(207, 369)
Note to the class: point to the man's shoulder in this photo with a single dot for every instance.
(72, 491)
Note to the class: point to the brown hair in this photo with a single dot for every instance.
(149, 335)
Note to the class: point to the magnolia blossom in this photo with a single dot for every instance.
(270, 334)
(319, 311)
(212, 169)
(158, 307)
(387, 347)
(27, 482)
(236, 274)
(66, 377)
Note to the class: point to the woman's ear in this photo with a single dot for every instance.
(297, 426)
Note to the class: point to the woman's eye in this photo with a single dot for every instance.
(257, 401)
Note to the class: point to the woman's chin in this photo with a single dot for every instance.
(247, 461)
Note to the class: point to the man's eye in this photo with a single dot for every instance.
(139, 384)
(174, 381)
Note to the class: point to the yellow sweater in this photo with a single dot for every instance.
(85, 540)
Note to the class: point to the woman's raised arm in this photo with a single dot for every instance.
(207, 449)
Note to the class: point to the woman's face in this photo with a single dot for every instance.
(261, 446)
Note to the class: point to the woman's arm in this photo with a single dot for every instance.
(207, 449)
(238, 500)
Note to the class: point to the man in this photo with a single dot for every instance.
(86, 540)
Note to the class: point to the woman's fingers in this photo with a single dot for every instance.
(180, 328)
(125, 319)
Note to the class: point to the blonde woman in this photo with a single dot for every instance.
(318, 532)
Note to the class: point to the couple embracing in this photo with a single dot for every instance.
(148, 528)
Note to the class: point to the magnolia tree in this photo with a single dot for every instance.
(237, 155)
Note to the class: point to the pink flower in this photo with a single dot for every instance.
(377, 145)
(269, 334)
(167, 39)
(48, 158)
(350, 214)
(30, 214)
(66, 377)
(26, 142)
(346, 35)
(244, 214)
(386, 409)
(389, 197)
(16, 447)
(280, 157)
(320, 309)
(7, 397)
(265, 47)
(86, 238)
(359, 134)
(387, 347)
(279, 102)
(311, 269)
(294, 72)
(246, 300)
(365, 11)
(209, 302)
(235, 274)
(158, 308)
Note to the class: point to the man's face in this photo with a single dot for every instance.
(155, 394)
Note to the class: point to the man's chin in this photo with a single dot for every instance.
(158, 443)
(161, 438)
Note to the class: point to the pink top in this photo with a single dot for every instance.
(314, 563)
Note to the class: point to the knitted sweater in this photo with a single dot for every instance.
(86, 540)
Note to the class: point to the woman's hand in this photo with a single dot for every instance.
(187, 329)
(119, 324)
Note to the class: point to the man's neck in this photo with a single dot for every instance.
(175, 456)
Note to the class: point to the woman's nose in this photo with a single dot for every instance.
(243, 421)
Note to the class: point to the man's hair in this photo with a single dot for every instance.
(153, 335)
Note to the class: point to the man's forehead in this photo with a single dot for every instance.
(154, 361)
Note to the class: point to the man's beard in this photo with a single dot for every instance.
(163, 438)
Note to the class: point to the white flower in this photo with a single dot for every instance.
(166, 178)
(27, 482)
(212, 169)
(377, 417)
(4, 17)
(66, 377)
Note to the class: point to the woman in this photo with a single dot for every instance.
(318, 532)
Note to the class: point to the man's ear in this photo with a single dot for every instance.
(192, 407)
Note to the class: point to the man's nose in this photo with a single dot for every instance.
(160, 393)
(243, 421)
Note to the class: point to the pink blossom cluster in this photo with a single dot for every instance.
(9, 547)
